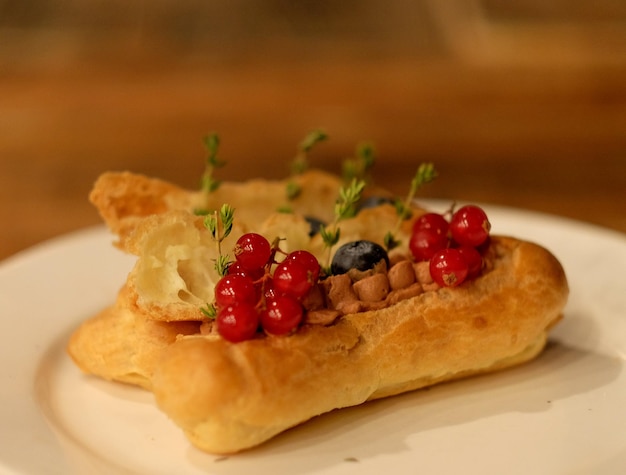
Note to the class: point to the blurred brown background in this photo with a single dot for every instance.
(518, 102)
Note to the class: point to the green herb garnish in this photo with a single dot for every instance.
(220, 224)
(300, 163)
(345, 208)
(208, 183)
(358, 167)
(426, 173)
(209, 311)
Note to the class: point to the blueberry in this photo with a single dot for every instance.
(361, 255)
(314, 225)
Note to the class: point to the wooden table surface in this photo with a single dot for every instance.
(544, 138)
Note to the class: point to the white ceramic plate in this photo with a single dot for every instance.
(564, 413)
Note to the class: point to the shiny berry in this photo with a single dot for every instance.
(237, 322)
(448, 267)
(361, 255)
(292, 278)
(470, 226)
(236, 268)
(281, 315)
(430, 234)
(235, 288)
(433, 221)
(252, 251)
(425, 242)
(473, 258)
(306, 260)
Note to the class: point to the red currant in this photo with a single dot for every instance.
(448, 267)
(473, 258)
(282, 315)
(252, 251)
(424, 243)
(237, 322)
(235, 288)
(433, 221)
(293, 278)
(306, 260)
(236, 268)
(470, 226)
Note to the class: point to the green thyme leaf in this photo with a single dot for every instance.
(366, 153)
(330, 237)
(227, 216)
(208, 183)
(345, 208)
(212, 144)
(311, 139)
(209, 311)
(390, 242)
(358, 167)
(201, 211)
(220, 225)
(221, 264)
(401, 209)
(210, 222)
(349, 170)
(300, 163)
(425, 173)
(293, 190)
(349, 197)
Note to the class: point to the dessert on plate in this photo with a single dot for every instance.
(254, 306)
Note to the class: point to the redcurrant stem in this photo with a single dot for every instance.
(267, 273)
(262, 303)
(274, 249)
(450, 211)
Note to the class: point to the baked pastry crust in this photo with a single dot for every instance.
(120, 344)
(243, 394)
(229, 397)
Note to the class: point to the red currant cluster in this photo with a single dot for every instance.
(451, 247)
(250, 295)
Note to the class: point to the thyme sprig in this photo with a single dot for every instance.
(425, 173)
(300, 163)
(209, 310)
(208, 183)
(359, 166)
(345, 207)
(220, 224)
